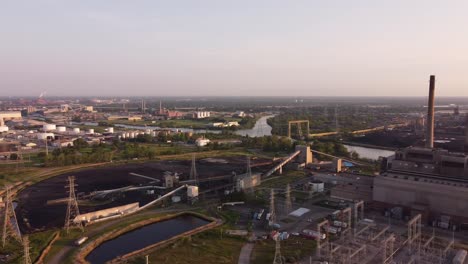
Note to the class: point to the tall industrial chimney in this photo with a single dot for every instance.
(430, 114)
(466, 133)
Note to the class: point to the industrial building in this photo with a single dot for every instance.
(201, 114)
(425, 180)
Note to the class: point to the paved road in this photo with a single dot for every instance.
(244, 257)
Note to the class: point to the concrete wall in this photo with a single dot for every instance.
(441, 197)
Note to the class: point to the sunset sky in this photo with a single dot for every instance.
(190, 48)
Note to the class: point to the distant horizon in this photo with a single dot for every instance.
(222, 96)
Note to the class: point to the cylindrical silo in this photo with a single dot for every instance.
(49, 127)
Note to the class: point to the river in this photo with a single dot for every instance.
(143, 237)
(260, 129)
(369, 153)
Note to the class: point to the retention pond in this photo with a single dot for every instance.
(143, 237)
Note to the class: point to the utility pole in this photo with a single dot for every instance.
(27, 258)
(336, 119)
(288, 205)
(10, 223)
(72, 207)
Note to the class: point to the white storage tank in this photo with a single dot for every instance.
(192, 191)
(91, 131)
(49, 127)
(122, 136)
(132, 135)
(44, 136)
(175, 199)
(317, 186)
(76, 130)
(61, 129)
(110, 130)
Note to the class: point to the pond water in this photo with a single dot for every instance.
(143, 237)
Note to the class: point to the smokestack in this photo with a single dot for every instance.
(466, 132)
(430, 114)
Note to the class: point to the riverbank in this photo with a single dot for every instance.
(92, 245)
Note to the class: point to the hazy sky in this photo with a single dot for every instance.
(221, 47)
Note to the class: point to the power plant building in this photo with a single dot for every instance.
(425, 180)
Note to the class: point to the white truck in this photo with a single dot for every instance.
(81, 241)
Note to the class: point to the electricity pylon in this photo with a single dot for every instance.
(278, 258)
(193, 171)
(10, 223)
(272, 207)
(72, 207)
(26, 257)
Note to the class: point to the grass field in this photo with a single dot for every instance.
(209, 247)
(292, 249)
(37, 242)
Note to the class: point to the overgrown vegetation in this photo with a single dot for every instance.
(209, 247)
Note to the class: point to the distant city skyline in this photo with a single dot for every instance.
(232, 48)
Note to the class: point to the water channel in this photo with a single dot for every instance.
(369, 153)
(143, 237)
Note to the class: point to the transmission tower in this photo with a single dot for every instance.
(278, 258)
(272, 207)
(299, 130)
(19, 157)
(27, 258)
(72, 207)
(288, 205)
(337, 126)
(193, 171)
(10, 223)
